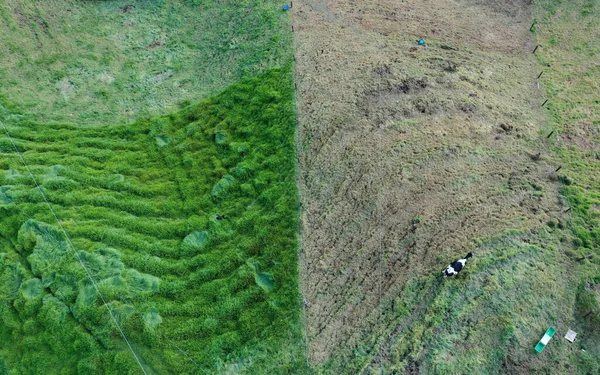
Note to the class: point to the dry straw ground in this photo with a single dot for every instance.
(409, 154)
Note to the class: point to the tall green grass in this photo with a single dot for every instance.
(195, 294)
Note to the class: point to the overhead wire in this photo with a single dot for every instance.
(90, 13)
(72, 247)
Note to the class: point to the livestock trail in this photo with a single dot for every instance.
(187, 222)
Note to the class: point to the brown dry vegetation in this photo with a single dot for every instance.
(408, 154)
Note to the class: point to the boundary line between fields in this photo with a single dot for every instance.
(302, 269)
(379, 232)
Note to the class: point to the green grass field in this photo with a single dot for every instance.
(163, 135)
(487, 321)
(568, 32)
(107, 62)
(569, 58)
(142, 193)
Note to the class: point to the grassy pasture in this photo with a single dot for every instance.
(140, 202)
(201, 295)
(569, 58)
(428, 150)
(487, 321)
(140, 192)
(107, 62)
(568, 32)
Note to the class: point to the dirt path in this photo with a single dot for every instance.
(409, 153)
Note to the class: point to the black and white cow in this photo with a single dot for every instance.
(455, 267)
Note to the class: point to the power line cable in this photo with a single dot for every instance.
(114, 319)
(182, 351)
(123, 298)
(379, 232)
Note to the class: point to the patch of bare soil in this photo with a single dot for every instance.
(155, 44)
(409, 153)
(127, 8)
(584, 137)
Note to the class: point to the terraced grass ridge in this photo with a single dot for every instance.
(188, 224)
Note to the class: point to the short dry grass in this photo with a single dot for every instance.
(411, 156)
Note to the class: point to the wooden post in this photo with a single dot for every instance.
(536, 47)
(532, 25)
(544, 103)
(540, 74)
(552, 132)
(568, 209)
(558, 169)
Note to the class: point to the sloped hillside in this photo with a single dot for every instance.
(413, 155)
(112, 62)
(187, 224)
